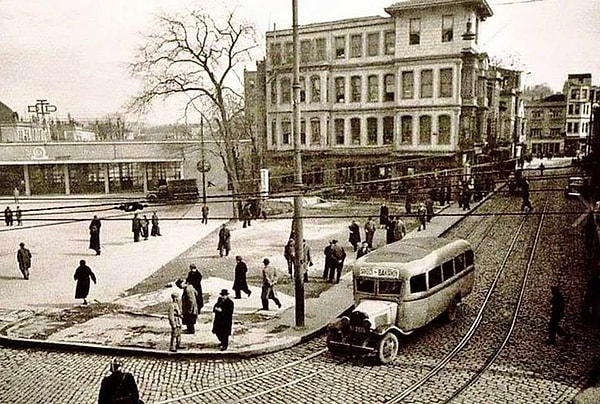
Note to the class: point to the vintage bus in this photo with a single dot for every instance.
(399, 288)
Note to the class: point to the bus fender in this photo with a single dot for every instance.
(382, 330)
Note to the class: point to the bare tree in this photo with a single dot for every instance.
(197, 55)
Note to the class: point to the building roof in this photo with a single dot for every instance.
(6, 114)
(555, 98)
(330, 25)
(483, 8)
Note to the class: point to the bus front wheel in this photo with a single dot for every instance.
(388, 348)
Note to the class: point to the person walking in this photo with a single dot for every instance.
(329, 265)
(8, 216)
(189, 305)
(94, 228)
(289, 253)
(408, 202)
(526, 204)
(24, 260)
(338, 255)
(155, 231)
(542, 167)
(194, 278)
(205, 210)
(389, 230)
(19, 216)
(429, 209)
(145, 227)
(422, 217)
(557, 312)
(83, 274)
(247, 215)
(269, 280)
(370, 228)
(136, 227)
(354, 237)
(363, 250)
(399, 229)
(306, 260)
(175, 321)
(224, 240)
(222, 323)
(16, 194)
(118, 387)
(384, 212)
(239, 278)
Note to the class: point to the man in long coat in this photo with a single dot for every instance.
(189, 305)
(239, 280)
(155, 231)
(223, 310)
(95, 234)
(83, 274)
(175, 322)
(338, 255)
(136, 227)
(289, 253)
(119, 385)
(224, 240)
(384, 212)
(354, 237)
(24, 260)
(269, 279)
(194, 278)
(370, 228)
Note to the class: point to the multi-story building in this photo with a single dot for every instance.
(579, 92)
(381, 96)
(546, 120)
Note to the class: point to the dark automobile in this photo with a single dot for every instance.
(575, 186)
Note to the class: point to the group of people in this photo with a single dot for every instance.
(141, 225)
(9, 216)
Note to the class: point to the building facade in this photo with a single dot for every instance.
(546, 123)
(581, 95)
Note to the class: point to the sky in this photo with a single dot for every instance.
(74, 53)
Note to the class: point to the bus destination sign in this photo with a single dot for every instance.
(380, 272)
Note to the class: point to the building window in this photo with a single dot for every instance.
(535, 132)
(340, 47)
(355, 130)
(389, 82)
(356, 46)
(575, 127)
(276, 54)
(302, 83)
(555, 132)
(414, 37)
(555, 113)
(315, 131)
(274, 132)
(286, 132)
(371, 131)
(444, 128)
(446, 83)
(426, 83)
(302, 131)
(390, 42)
(315, 89)
(305, 51)
(289, 52)
(584, 93)
(388, 130)
(425, 129)
(408, 84)
(339, 131)
(340, 89)
(447, 28)
(373, 84)
(320, 49)
(373, 44)
(569, 127)
(406, 124)
(355, 89)
(575, 94)
(273, 92)
(286, 90)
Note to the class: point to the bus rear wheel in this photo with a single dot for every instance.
(387, 350)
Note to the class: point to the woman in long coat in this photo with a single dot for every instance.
(95, 234)
(223, 310)
(83, 274)
(194, 278)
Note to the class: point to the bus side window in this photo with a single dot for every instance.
(435, 277)
(470, 259)
(459, 263)
(418, 283)
(448, 270)
(365, 285)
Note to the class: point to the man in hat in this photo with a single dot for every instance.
(240, 282)
(118, 387)
(269, 279)
(24, 260)
(338, 255)
(224, 240)
(223, 310)
(175, 320)
(189, 305)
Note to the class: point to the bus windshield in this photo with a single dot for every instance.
(365, 285)
(390, 287)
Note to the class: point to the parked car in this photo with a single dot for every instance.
(575, 186)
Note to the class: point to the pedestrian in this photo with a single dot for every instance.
(429, 209)
(16, 194)
(557, 312)
(289, 253)
(145, 225)
(363, 250)
(370, 228)
(526, 204)
(94, 228)
(269, 280)
(354, 237)
(175, 321)
(389, 231)
(384, 212)
(83, 274)
(408, 203)
(329, 265)
(8, 216)
(422, 217)
(338, 255)
(19, 216)
(118, 387)
(239, 278)
(306, 259)
(24, 260)
(223, 310)
(542, 167)
(247, 215)
(466, 197)
(155, 231)
(399, 229)
(136, 227)
(194, 278)
(205, 210)
(442, 196)
(224, 240)
(189, 305)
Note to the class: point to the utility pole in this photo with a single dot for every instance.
(297, 222)
(203, 161)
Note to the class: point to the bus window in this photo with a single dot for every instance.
(365, 285)
(389, 287)
(470, 259)
(418, 283)
(459, 262)
(448, 270)
(435, 277)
